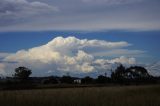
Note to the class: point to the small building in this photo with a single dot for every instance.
(77, 81)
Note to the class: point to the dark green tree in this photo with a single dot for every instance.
(87, 80)
(136, 72)
(119, 72)
(22, 73)
(67, 79)
(102, 79)
(50, 80)
(133, 72)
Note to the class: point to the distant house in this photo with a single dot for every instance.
(77, 81)
(2, 77)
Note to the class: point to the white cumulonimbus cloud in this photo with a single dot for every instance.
(63, 55)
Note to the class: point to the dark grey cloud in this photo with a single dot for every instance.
(21, 11)
(34, 15)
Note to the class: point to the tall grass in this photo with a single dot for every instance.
(93, 96)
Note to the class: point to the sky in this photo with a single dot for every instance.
(54, 37)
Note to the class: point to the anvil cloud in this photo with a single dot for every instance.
(63, 55)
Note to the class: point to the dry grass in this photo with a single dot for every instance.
(93, 96)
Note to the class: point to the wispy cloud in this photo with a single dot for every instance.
(111, 2)
(2, 55)
(120, 52)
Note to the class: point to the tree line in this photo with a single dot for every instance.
(121, 75)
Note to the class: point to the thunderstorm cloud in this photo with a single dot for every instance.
(70, 54)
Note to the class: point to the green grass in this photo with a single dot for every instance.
(92, 96)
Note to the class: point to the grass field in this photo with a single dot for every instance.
(91, 96)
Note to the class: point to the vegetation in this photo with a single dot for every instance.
(50, 80)
(130, 73)
(87, 80)
(135, 75)
(67, 79)
(103, 79)
(100, 91)
(22, 73)
(93, 96)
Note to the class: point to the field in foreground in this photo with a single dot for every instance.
(92, 96)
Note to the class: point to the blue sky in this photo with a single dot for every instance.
(145, 40)
(103, 32)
